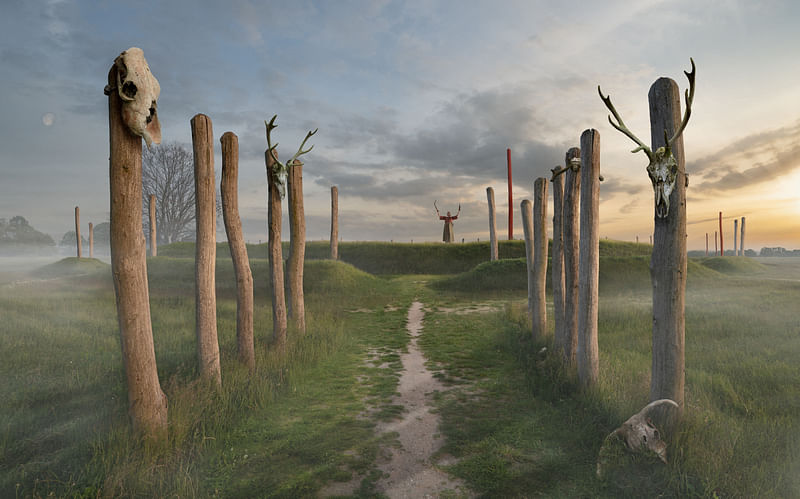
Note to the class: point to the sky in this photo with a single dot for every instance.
(416, 102)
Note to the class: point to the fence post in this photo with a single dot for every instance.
(587, 354)
(539, 258)
(205, 249)
(492, 225)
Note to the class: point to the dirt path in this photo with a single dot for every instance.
(411, 471)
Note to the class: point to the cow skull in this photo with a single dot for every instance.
(638, 433)
(139, 91)
(663, 167)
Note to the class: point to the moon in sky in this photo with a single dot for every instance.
(48, 119)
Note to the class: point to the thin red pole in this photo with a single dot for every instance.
(510, 199)
(721, 246)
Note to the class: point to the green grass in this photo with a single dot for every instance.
(511, 414)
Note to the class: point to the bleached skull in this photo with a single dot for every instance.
(139, 91)
(663, 172)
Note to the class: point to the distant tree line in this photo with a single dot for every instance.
(18, 232)
(778, 251)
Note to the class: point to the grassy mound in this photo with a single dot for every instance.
(507, 274)
(71, 266)
(732, 265)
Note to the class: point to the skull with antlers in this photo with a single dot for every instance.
(663, 167)
(281, 170)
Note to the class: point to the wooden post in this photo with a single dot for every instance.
(557, 270)
(668, 261)
(147, 404)
(588, 354)
(735, 230)
(716, 244)
(510, 198)
(721, 245)
(78, 230)
(571, 235)
(91, 240)
(275, 215)
(741, 239)
(527, 231)
(539, 258)
(334, 223)
(492, 225)
(229, 191)
(706, 243)
(205, 249)
(153, 233)
(297, 246)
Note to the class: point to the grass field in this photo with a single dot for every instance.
(511, 415)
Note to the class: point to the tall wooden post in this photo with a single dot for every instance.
(334, 223)
(510, 198)
(716, 244)
(229, 191)
(557, 270)
(274, 216)
(668, 260)
(297, 246)
(147, 404)
(588, 354)
(706, 243)
(721, 245)
(539, 258)
(741, 239)
(205, 249)
(527, 231)
(91, 240)
(78, 230)
(571, 235)
(735, 230)
(492, 225)
(153, 228)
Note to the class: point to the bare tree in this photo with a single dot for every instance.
(168, 173)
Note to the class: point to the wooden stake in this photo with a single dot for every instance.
(510, 198)
(492, 224)
(91, 240)
(205, 249)
(153, 233)
(229, 191)
(334, 223)
(78, 230)
(571, 235)
(557, 271)
(297, 247)
(668, 260)
(741, 239)
(539, 258)
(527, 231)
(735, 230)
(275, 215)
(588, 354)
(721, 245)
(147, 404)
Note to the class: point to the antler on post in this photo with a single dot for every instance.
(270, 148)
(459, 209)
(435, 207)
(689, 94)
(300, 150)
(621, 126)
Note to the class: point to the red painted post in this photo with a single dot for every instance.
(721, 246)
(510, 199)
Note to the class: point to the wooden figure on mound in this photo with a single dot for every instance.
(447, 232)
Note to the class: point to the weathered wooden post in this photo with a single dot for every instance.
(78, 230)
(716, 244)
(147, 404)
(297, 246)
(334, 223)
(588, 354)
(527, 231)
(557, 271)
(571, 235)
(735, 230)
(153, 228)
(668, 261)
(510, 198)
(706, 243)
(492, 225)
(721, 245)
(741, 239)
(274, 216)
(229, 191)
(205, 249)
(91, 240)
(539, 258)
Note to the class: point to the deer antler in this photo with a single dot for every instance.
(282, 168)
(689, 94)
(435, 207)
(621, 126)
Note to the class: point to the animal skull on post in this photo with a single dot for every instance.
(139, 91)
(663, 167)
(282, 169)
